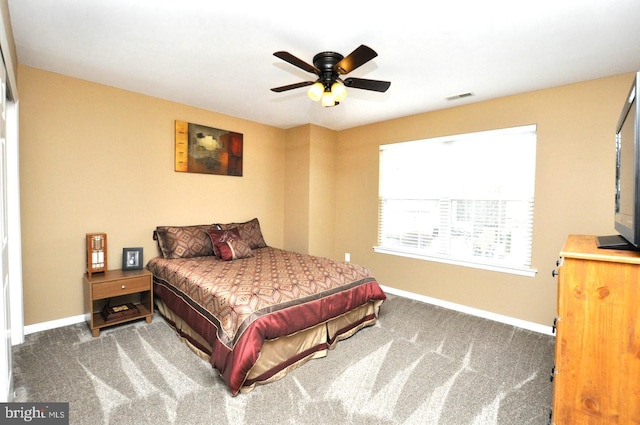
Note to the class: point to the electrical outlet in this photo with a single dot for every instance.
(347, 257)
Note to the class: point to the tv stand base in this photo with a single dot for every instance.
(614, 242)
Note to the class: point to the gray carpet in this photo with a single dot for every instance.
(420, 364)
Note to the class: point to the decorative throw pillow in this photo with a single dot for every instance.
(229, 244)
(249, 231)
(184, 241)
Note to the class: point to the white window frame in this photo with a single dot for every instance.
(419, 185)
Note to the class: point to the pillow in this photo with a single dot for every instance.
(250, 232)
(229, 244)
(184, 241)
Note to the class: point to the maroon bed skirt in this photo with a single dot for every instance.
(234, 361)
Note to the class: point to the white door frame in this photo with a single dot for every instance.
(15, 224)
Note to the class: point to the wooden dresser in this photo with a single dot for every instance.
(597, 365)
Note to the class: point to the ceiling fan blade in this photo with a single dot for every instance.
(291, 86)
(288, 57)
(363, 83)
(355, 59)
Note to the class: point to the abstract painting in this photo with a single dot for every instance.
(207, 150)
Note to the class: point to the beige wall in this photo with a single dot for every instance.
(574, 191)
(94, 158)
(98, 159)
(322, 187)
(297, 162)
(310, 184)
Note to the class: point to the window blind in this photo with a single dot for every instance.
(466, 199)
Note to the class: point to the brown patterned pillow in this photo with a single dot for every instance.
(249, 231)
(229, 244)
(184, 241)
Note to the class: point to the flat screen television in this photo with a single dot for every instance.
(627, 189)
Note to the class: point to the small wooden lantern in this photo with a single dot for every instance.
(96, 253)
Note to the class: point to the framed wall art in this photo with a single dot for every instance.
(208, 150)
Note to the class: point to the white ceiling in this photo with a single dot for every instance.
(219, 55)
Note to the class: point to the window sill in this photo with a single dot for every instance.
(511, 270)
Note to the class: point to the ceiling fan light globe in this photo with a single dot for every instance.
(315, 91)
(338, 91)
(328, 99)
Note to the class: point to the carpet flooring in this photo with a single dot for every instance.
(420, 364)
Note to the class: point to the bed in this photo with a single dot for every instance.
(253, 311)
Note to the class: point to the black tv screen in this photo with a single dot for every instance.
(627, 189)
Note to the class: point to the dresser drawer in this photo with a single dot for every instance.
(121, 287)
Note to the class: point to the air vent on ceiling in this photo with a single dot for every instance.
(460, 96)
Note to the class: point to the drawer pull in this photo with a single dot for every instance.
(123, 287)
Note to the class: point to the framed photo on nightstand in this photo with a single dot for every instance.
(131, 258)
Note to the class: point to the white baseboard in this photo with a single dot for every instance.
(531, 326)
(535, 327)
(45, 326)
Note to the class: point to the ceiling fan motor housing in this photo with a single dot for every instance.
(326, 62)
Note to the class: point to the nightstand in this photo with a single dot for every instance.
(115, 288)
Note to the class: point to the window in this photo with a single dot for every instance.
(464, 199)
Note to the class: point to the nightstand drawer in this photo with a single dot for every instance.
(120, 287)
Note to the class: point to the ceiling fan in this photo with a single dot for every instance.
(329, 88)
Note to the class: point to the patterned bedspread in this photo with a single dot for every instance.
(273, 294)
